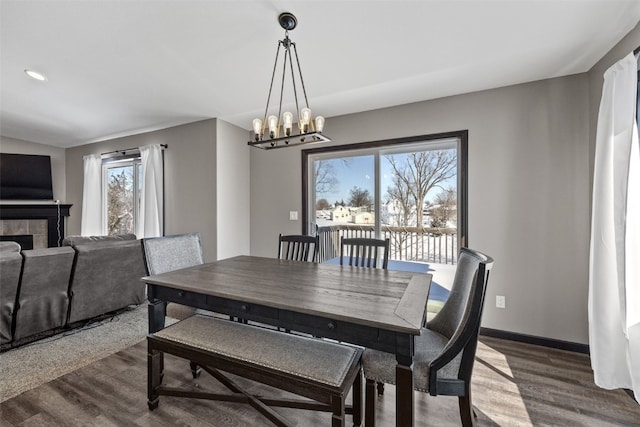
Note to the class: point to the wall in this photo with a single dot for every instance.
(18, 146)
(528, 193)
(233, 231)
(190, 177)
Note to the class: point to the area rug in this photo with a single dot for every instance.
(29, 366)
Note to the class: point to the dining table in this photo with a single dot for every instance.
(374, 308)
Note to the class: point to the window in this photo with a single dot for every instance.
(122, 181)
(410, 190)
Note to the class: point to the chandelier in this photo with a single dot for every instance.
(277, 131)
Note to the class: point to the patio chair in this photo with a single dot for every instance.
(298, 247)
(364, 252)
(446, 348)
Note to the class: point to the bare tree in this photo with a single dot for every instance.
(322, 204)
(120, 202)
(420, 173)
(403, 213)
(360, 198)
(325, 177)
(444, 208)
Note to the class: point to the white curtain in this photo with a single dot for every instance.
(91, 224)
(150, 219)
(614, 262)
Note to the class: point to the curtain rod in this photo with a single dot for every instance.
(124, 152)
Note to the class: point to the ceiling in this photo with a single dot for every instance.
(117, 68)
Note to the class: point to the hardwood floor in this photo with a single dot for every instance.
(514, 384)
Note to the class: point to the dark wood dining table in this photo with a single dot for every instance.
(374, 308)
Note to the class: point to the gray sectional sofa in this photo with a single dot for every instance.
(44, 291)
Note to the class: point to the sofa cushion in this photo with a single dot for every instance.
(10, 265)
(80, 240)
(106, 278)
(9, 247)
(43, 301)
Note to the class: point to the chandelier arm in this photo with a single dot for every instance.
(304, 90)
(273, 75)
(284, 70)
(293, 82)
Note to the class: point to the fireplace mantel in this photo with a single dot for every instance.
(40, 211)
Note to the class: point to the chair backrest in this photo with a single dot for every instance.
(364, 252)
(168, 253)
(460, 317)
(298, 247)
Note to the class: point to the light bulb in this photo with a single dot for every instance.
(273, 126)
(257, 128)
(305, 118)
(319, 124)
(287, 122)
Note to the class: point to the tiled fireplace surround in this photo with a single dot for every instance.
(34, 227)
(45, 222)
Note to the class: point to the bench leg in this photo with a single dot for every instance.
(370, 403)
(356, 395)
(338, 406)
(154, 376)
(195, 369)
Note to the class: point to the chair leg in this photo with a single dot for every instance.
(154, 376)
(467, 414)
(370, 403)
(195, 369)
(356, 399)
(338, 406)
(380, 389)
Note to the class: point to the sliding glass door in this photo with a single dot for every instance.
(410, 190)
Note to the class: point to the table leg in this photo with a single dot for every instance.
(404, 395)
(157, 312)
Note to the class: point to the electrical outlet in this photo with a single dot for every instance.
(501, 301)
(293, 215)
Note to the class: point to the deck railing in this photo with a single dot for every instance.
(439, 245)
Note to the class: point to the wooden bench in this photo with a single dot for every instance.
(319, 370)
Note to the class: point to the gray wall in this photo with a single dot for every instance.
(18, 146)
(190, 178)
(233, 231)
(528, 193)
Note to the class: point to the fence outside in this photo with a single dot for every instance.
(437, 245)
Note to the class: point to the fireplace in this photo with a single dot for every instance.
(24, 240)
(44, 224)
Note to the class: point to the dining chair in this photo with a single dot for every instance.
(296, 247)
(169, 253)
(445, 349)
(364, 252)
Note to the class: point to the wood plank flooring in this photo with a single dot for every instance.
(514, 384)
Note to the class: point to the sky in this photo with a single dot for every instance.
(359, 171)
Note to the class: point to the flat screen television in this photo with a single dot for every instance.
(25, 177)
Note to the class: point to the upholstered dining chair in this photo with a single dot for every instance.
(445, 350)
(364, 252)
(168, 253)
(298, 247)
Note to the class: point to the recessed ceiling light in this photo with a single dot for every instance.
(35, 75)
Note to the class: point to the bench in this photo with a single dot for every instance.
(319, 370)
